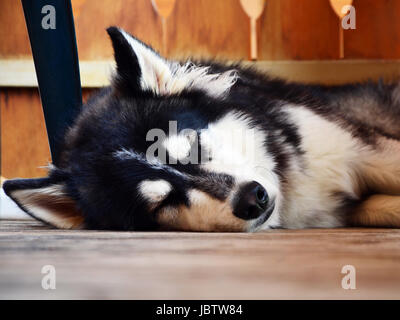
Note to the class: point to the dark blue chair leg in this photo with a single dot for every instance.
(52, 37)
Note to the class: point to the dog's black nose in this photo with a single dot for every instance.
(251, 201)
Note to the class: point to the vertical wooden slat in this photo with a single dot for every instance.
(208, 28)
(341, 9)
(377, 33)
(14, 40)
(164, 9)
(299, 30)
(24, 145)
(254, 9)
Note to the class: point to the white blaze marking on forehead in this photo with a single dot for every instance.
(167, 77)
(154, 190)
(235, 146)
(238, 149)
(153, 163)
(178, 146)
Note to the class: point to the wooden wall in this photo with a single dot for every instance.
(287, 30)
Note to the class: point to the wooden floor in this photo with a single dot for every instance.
(131, 265)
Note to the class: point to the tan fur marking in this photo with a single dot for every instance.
(66, 211)
(381, 168)
(204, 214)
(378, 210)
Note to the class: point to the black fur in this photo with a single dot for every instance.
(119, 117)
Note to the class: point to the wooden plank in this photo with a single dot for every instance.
(332, 72)
(24, 145)
(13, 34)
(286, 29)
(377, 33)
(17, 73)
(95, 74)
(91, 20)
(208, 29)
(21, 73)
(304, 30)
(93, 17)
(289, 264)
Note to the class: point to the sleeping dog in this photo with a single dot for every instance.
(207, 146)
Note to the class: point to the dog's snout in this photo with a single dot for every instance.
(251, 201)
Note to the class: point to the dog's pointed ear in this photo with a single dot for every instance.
(139, 67)
(45, 199)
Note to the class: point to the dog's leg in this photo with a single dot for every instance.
(381, 170)
(378, 210)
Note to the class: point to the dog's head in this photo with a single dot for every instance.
(165, 147)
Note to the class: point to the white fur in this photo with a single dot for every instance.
(191, 76)
(154, 69)
(239, 150)
(154, 190)
(165, 77)
(330, 166)
(178, 146)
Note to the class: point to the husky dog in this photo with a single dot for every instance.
(272, 154)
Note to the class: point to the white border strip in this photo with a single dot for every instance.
(21, 73)
(95, 74)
